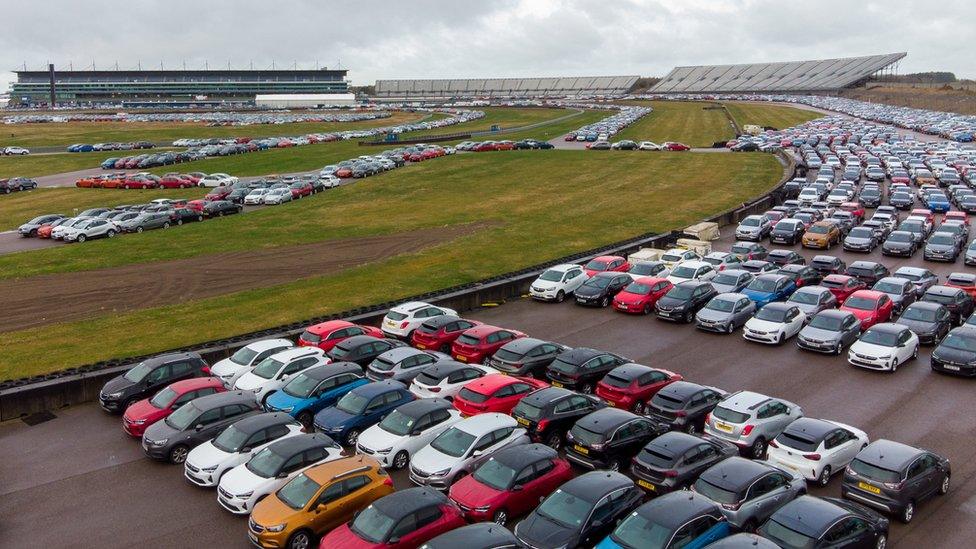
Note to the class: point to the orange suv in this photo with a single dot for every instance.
(822, 234)
(316, 501)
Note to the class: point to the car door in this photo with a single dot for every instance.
(208, 424)
(766, 495)
(921, 481)
(499, 439)
(181, 370)
(156, 379)
(843, 446)
(794, 321)
(688, 534)
(904, 350)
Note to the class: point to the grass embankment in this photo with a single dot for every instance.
(775, 116)
(690, 122)
(19, 207)
(580, 190)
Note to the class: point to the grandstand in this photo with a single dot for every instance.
(504, 87)
(791, 76)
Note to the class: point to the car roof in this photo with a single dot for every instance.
(869, 294)
(490, 383)
(939, 289)
(676, 442)
(809, 515)
(325, 473)
(631, 370)
(297, 352)
(482, 330)
(169, 357)
(355, 341)
(403, 502)
(324, 371)
(290, 446)
(895, 280)
(862, 264)
(410, 306)
(681, 389)
(780, 306)
(422, 406)
(596, 482)
(379, 387)
(736, 272)
(888, 328)
(735, 473)
(812, 289)
(485, 423)
(578, 355)
(605, 419)
(825, 258)
(194, 383)
(811, 428)
(208, 402)
(772, 276)
(930, 305)
(397, 354)
(523, 344)
(563, 267)
(606, 258)
(676, 508)
(328, 326)
(477, 535)
(888, 454)
(440, 320)
(544, 396)
(517, 457)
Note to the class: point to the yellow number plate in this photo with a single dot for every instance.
(644, 484)
(612, 403)
(522, 421)
(461, 358)
(556, 384)
(869, 488)
(421, 346)
(582, 450)
(724, 427)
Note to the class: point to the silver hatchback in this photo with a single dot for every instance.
(725, 313)
(749, 491)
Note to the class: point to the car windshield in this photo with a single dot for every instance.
(818, 229)
(919, 313)
(827, 322)
(715, 493)
(888, 287)
(942, 240)
(726, 279)
(763, 285)
(231, 439)
(878, 337)
(861, 232)
(596, 265)
(163, 398)
(267, 368)
(960, 342)
(398, 423)
(243, 356)
(265, 463)
(495, 474)
(637, 288)
(874, 472)
(805, 298)
(551, 276)
(565, 508)
(672, 258)
(911, 226)
(527, 411)
(750, 222)
(786, 536)
(298, 492)
(639, 531)
(770, 314)
(722, 305)
(684, 272)
(137, 374)
(183, 417)
(372, 525)
(680, 292)
(643, 269)
(600, 282)
(860, 303)
(560, 365)
(453, 442)
(301, 386)
(740, 249)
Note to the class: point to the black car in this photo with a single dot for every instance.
(580, 512)
(237, 195)
(785, 257)
(196, 422)
(482, 535)
(814, 523)
(895, 477)
(182, 214)
(787, 231)
(683, 405)
(220, 208)
(828, 264)
(608, 438)
(672, 521)
(684, 300)
(525, 356)
(749, 491)
(397, 514)
(870, 198)
(149, 376)
(241, 437)
(801, 275)
(581, 368)
(956, 354)
(600, 288)
(743, 540)
(362, 349)
(757, 266)
(902, 201)
(930, 321)
(868, 272)
(549, 413)
(674, 460)
(956, 300)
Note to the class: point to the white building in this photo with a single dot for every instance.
(291, 101)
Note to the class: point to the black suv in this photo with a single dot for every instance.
(674, 460)
(825, 522)
(148, 377)
(582, 368)
(683, 301)
(549, 413)
(959, 303)
(362, 349)
(526, 356)
(600, 288)
(608, 438)
(682, 405)
(956, 354)
(869, 272)
(196, 422)
(895, 477)
(787, 231)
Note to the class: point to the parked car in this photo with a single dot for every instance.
(601, 288)
(630, 386)
(674, 460)
(494, 393)
(247, 357)
(401, 364)
(774, 324)
(220, 208)
(753, 227)
(884, 346)
(725, 313)
(684, 300)
(731, 281)
(149, 376)
(403, 319)
(606, 263)
(315, 388)
(822, 234)
(825, 522)
(272, 373)
(360, 409)
(549, 413)
(480, 535)
(828, 264)
(816, 448)
(438, 333)
(140, 415)
(750, 420)
(768, 288)
(657, 269)
(684, 406)
(608, 438)
(930, 321)
(582, 368)
(640, 296)
(869, 306)
(748, 492)
(956, 354)
(842, 286)
(670, 521)
(525, 356)
(956, 300)
(557, 282)
(405, 430)
(194, 423)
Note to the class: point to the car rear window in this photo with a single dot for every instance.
(467, 339)
(797, 442)
(471, 396)
(382, 365)
(506, 355)
(427, 379)
(585, 436)
(526, 410)
(874, 472)
(730, 416)
(393, 315)
(656, 457)
(714, 493)
(615, 381)
(667, 402)
(310, 337)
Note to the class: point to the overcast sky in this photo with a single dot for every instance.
(497, 38)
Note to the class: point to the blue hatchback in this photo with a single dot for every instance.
(314, 389)
(767, 288)
(938, 203)
(360, 409)
(679, 519)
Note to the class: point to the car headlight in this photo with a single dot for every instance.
(159, 442)
(139, 422)
(483, 509)
(885, 357)
(678, 308)
(276, 527)
(209, 469)
(245, 495)
(114, 395)
(335, 430)
(288, 409)
(385, 450)
(441, 473)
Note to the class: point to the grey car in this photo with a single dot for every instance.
(930, 321)
(402, 364)
(146, 221)
(861, 239)
(900, 243)
(731, 280)
(196, 422)
(970, 256)
(749, 491)
(525, 356)
(900, 290)
(725, 313)
(941, 247)
(750, 420)
(922, 278)
(674, 460)
(813, 299)
(830, 332)
(29, 229)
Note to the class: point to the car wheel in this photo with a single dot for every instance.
(688, 317)
(166, 225)
(301, 539)
(32, 233)
(81, 238)
(352, 437)
(908, 513)
(305, 418)
(824, 477)
(882, 542)
(446, 349)
(560, 296)
(944, 487)
(587, 389)
(110, 234)
(139, 229)
(400, 460)
(730, 328)
(780, 339)
(613, 465)
(758, 449)
(691, 428)
(554, 441)
(915, 354)
(647, 309)
(638, 408)
(178, 454)
(199, 218)
(500, 517)
(179, 221)
(839, 349)
(125, 187)
(605, 301)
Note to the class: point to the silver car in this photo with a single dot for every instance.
(813, 299)
(731, 280)
(922, 278)
(402, 364)
(750, 420)
(830, 332)
(749, 491)
(725, 313)
(900, 290)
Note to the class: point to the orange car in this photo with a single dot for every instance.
(316, 501)
(87, 182)
(44, 231)
(964, 281)
(113, 181)
(822, 234)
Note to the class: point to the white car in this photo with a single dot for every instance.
(816, 448)
(255, 197)
(58, 232)
(217, 180)
(445, 378)
(405, 430)
(271, 468)
(403, 319)
(723, 260)
(883, 346)
(692, 270)
(248, 356)
(329, 181)
(808, 196)
(89, 229)
(206, 463)
(774, 323)
(273, 372)
(557, 282)
(16, 150)
(463, 447)
(676, 255)
(648, 146)
(277, 196)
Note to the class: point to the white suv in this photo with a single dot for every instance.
(92, 228)
(407, 429)
(273, 372)
(217, 180)
(403, 319)
(557, 282)
(233, 367)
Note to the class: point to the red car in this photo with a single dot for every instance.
(327, 335)
(219, 193)
(855, 208)
(964, 281)
(175, 182)
(613, 263)
(842, 286)
(675, 146)
(869, 306)
(343, 172)
(922, 212)
(630, 386)
(639, 296)
(477, 343)
(486, 146)
(140, 182)
(301, 189)
(196, 205)
(405, 519)
(484, 496)
(494, 393)
(801, 275)
(438, 333)
(144, 413)
(955, 215)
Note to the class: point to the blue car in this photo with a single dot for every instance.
(314, 389)
(938, 203)
(109, 163)
(360, 409)
(767, 288)
(678, 519)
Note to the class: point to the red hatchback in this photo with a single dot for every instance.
(438, 333)
(144, 413)
(301, 189)
(842, 286)
(613, 263)
(869, 306)
(511, 483)
(630, 386)
(219, 193)
(494, 393)
(327, 335)
(477, 343)
(175, 182)
(639, 296)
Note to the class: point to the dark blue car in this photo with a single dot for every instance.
(109, 163)
(767, 288)
(679, 519)
(360, 409)
(314, 389)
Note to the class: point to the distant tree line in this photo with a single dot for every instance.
(934, 77)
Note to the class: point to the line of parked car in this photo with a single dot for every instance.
(112, 146)
(14, 151)
(609, 126)
(629, 145)
(15, 184)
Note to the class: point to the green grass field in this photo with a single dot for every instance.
(643, 192)
(689, 122)
(776, 116)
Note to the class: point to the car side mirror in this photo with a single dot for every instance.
(517, 488)
(245, 450)
(282, 475)
(199, 427)
(393, 540)
(477, 453)
(321, 507)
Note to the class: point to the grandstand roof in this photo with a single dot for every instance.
(824, 74)
(506, 87)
